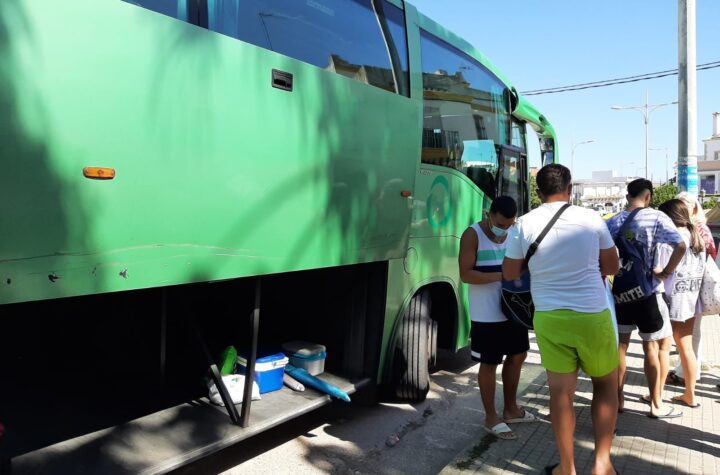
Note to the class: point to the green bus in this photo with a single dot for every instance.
(183, 175)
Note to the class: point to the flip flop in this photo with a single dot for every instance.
(675, 380)
(549, 469)
(502, 431)
(527, 417)
(682, 402)
(671, 414)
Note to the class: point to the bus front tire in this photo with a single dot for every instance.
(415, 346)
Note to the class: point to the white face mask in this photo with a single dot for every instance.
(499, 232)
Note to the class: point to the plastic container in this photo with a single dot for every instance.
(269, 371)
(306, 355)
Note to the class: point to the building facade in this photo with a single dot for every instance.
(709, 165)
(605, 191)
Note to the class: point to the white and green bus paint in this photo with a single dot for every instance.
(182, 175)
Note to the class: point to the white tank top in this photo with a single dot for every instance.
(484, 299)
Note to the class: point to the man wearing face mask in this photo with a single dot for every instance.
(493, 337)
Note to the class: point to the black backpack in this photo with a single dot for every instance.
(515, 297)
(634, 281)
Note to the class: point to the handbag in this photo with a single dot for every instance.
(710, 289)
(515, 297)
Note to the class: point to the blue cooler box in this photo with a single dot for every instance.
(269, 371)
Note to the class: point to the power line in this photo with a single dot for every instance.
(640, 76)
(612, 82)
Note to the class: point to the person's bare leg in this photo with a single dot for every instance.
(682, 333)
(511, 378)
(657, 357)
(562, 416)
(652, 370)
(697, 349)
(604, 416)
(486, 380)
(664, 346)
(697, 344)
(622, 349)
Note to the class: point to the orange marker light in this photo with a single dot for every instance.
(405, 194)
(99, 173)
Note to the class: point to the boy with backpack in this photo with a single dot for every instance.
(638, 289)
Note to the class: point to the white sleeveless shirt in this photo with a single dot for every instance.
(484, 299)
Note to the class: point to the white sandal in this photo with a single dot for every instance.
(501, 431)
(526, 417)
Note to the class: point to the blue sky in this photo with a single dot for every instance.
(542, 44)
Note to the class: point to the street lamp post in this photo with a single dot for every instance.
(572, 161)
(667, 172)
(646, 110)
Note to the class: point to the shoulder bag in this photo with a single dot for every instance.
(516, 300)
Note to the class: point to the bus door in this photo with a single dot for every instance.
(547, 148)
(513, 176)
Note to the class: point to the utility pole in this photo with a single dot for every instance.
(687, 96)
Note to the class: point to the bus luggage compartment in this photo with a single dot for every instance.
(115, 383)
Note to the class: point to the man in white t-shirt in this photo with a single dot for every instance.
(573, 325)
(494, 339)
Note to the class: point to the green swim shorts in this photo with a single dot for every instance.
(569, 339)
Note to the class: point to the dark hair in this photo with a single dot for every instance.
(678, 212)
(504, 205)
(636, 187)
(553, 179)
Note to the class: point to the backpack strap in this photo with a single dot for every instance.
(533, 247)
(628, 220)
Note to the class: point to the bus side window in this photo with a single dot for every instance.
(174, 8)
(342, 36)
(241, 19)
(465, 113)
(398, 40)
(483, 179)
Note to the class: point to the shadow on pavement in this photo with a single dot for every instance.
(642, 444)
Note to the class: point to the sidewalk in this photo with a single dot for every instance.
(686, 445)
